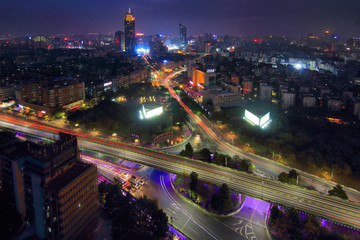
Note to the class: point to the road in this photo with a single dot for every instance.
(325, 206)
(248, 223)
(264, 167)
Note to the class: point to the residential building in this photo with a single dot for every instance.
(308, 101)
(287, 99)
(52, 94)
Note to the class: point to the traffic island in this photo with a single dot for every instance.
(213, 199)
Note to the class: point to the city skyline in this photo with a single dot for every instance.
(279, 17)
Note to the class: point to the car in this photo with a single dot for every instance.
(141, 182)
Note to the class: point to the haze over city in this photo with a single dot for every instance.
(179, 120)
(233, 17)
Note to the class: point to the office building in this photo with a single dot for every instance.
(203, 78)
(129, 22)
(182, 33)
(54, 190)
(119, 41)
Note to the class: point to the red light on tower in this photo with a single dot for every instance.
(256, 40)
(65, 39)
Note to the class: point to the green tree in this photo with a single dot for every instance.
(246, 166)
(293, 174)
(338, 191)
(193, 181)
(188, 151)
(294, 224)
(225, 198)
(205, 155)
(275, 214)
(283, 177)
(312, 227)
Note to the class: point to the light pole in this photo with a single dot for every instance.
(262, 189)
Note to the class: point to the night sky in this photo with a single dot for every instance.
(234, 17)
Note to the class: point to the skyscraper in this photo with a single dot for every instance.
(119, 40)
(129, 32)
(182, 33)
(51, 187)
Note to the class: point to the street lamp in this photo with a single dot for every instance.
(262, 189)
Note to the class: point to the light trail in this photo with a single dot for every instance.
(288, 195)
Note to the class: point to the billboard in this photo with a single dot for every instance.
(257, 121)
(265, 119)
(252, 118)
(149, 113)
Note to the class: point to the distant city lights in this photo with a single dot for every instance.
(142, 51)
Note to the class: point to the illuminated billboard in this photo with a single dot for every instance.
(252, 118)
(257, 121)
(149, 113)
(265, 119)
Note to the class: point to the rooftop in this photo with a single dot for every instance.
(67, 177)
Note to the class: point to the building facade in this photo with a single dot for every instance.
(287, 99)
(129, 23)
(119, 41)
(49, 95)
(182, 34)
(308, 101)
(265, 92)
(56, 192)
(247, 87)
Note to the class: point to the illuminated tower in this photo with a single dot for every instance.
(129, 32)
(182, 33)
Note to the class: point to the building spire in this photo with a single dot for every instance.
(129, 11)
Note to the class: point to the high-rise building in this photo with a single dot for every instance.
(182, 33)
(56, 192)
(119, 41)
(129, 32)
(265, 92)
(203, 78)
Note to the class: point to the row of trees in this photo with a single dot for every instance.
(217, 158)
(307, 138)
(132, 218)
(288, 225)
